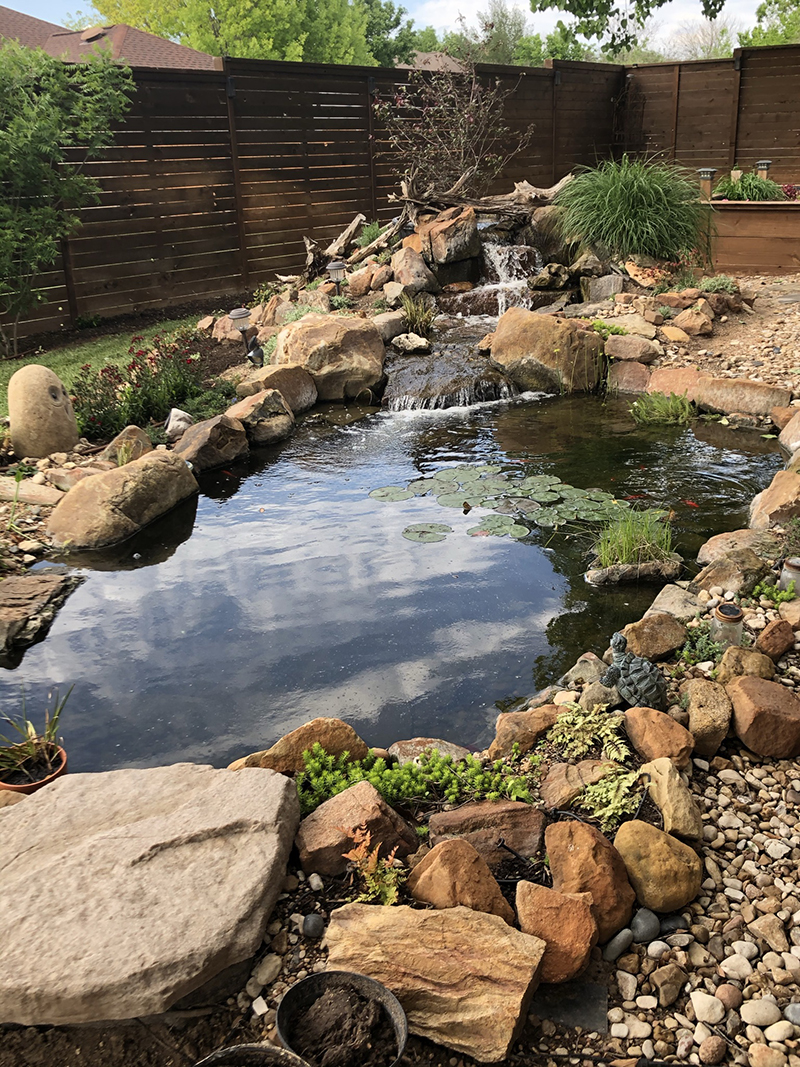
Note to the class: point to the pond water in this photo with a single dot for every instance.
(285, 592)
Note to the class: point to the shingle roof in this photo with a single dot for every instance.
(26, 29)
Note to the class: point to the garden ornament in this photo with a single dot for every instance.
(639, 682)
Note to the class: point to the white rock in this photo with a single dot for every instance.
(748, 949)
(268, 969)
(736, 966)
(637, 1030)
(178, 422)
(707, 1009)
(618, 1030)
(315, 883)
(780, 1031)
(627, 984)
(260, 1006)
(760, 1013)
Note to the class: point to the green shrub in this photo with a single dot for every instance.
(635, 207)
(211, 401)
(699, 647)
(718, 283)
(419, 315)
(371, 232)
(770, 591)
(341, 303)
(749, 187)
(263, 294)
(656, 409)
(635, 537)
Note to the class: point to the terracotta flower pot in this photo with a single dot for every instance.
(32, 787)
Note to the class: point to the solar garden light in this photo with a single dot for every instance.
(336, 273)
(706, 181)
(240, 317)
(762, 168)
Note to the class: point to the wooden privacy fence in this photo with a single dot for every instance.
(215, 176)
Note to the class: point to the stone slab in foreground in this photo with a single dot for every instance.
(122, 892)
(464, 978)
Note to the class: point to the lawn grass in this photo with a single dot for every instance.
(68, 360)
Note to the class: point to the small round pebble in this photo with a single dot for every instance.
(760, 1012)
(731, 997)
(792, 1013)
(313, 925)
(314, 883)
(617, 945)
(656, 949)
(646, 925)
(713, 1049)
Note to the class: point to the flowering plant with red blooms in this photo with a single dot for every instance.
(155, 378)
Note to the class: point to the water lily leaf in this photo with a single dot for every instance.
(546, 517)
(495, 484)
(543, 496)
(391, 493)
(427, 533)
(442, 487)
(488, 468)
(421, 486)
(459, 499)
(478, 531)
(518, 531)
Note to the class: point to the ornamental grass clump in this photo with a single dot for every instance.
(635, 207)
(749, 187)
(657, 409)
(635, 537)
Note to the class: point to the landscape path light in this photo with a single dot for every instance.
(240, 317)
(762, 168)
(336, 273)
(706, 181)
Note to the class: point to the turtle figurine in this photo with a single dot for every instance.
(639, 682)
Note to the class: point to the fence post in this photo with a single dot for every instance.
(68, 266)
(676, 95)
(735, 101)
(230, 93)
(373, 178)
(551, 65)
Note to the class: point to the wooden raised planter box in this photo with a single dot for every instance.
(757, 237)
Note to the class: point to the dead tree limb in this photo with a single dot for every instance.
(381, 241)
(519, 204)
(339, 246)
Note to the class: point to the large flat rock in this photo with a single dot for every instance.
(28, 604)
(124, 891)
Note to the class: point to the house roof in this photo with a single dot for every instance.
(132, 46)
(432, 61)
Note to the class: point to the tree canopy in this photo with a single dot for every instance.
(777, 22)
(389, 39)
(618, 22)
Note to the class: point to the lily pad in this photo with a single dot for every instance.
(518, 531)
(459, 499)
(488, 468)
(391, 493)
(427, 533)
(543, 496)
(421, 486)
(546, 517)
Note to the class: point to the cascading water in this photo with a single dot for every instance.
(513, 265)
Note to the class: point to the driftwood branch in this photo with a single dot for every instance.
(339, 246)
(521, 203)
(380, 242)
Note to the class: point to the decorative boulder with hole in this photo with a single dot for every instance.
(638, 681)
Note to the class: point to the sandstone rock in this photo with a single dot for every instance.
(777, 503)
(593, 290)
(770, 929)
(588, 668)
(566, 781)
(206, 324)
(694, 322)
(411, 271)
(766, 717)
(382, 275)
(177, 423)
(668, 981)
(665, 873)
(212, 443)
(453, 874)
(406, 751)
(673, 799)
(411, 342)
(565, 923)
(360, 283)
(551, 276)
(631, 347)
(113, 506)
(523, 728)
(266, 417)
(682, 381)
(790, 610)
(597, 693)
(738, 661)
(390, 324)
(782, 416)
(655, 734)
(483, 822)
(638, 325)
(40, 412)
(739, 572)
(343, 354)
(286, 755)
(790, 434)
(582, 860)
(295, 385)
(130, 443)
(675, 601)
(726, 395)
(723, 544)
(675, 334)
(28, 492)
(326, 833)
(680, 301)
(465, 979)
(453, 236)
(709, 715)
(759, 1055)
(628, 378)
(224, 330)
(184, 864)
(316, 299)
(775, 639)
(541, 352)
(655, 636)
(28, 604)
(393, 293)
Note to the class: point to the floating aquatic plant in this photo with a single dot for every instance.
(427, 532)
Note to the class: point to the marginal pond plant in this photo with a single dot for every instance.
(30, 754)
(658, 409)
(635, 537)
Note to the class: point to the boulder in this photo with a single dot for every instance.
(28, 492)
(594, 290)
(588, 668)
(709, 715)
(565, 923)
(40, 412)
(543, 353)
(483, 822)
(679, 301)
(411, 271)
(113, 506)
(565, 782)
(781, 417)
(631, 347)
(627, 378)
(695, 322)
(523, 728)
(582, 860)
(225, 332)
(682, 381)
(212, 443)
(655, 636)
(453, 236)
(766, 717)
(382, 275)
(130, 443)
(776, 639)
(286, 755)
(177, 423)
(738, 661)
(551, 276)
(655, 734)
(316, 299)
(465, 979)
(393, 293)
(359, 283)
(152, 883)
(295, 385)
(390, 324)
(406, 751)
(453, 874)
(343, 354)
(672, 797)
(675, 335)
(726, 395)
(777, 503)
(327, 832)
(723, 544)
(738, 572)
(28, 605)
(790, 434)
(665, 873)
(266, 417)
(638, 325)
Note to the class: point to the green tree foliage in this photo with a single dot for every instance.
(427, 40)
(494, 40)
(778, 22)
(53, 118)
(389, 38)
(562, 43)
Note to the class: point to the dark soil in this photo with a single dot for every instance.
(344, 1029)
(30, 772)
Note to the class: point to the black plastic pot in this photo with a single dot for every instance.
(252, 1056)
(299, 998)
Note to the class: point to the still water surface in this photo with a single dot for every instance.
(285, 592)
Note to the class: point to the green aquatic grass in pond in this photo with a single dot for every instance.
(635, 537)
(656, 409)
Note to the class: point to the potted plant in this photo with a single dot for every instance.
(36, 759)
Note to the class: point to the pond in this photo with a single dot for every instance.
(286, 592)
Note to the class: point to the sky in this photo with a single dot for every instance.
(442, 14)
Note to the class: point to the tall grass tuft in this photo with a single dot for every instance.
(635, 207)
(749, 187)
(656, 409)
(419, 315)
(635, 537)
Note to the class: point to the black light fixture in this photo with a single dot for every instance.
(336, 273)
(254, 353)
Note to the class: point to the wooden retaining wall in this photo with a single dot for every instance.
(757, 238)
